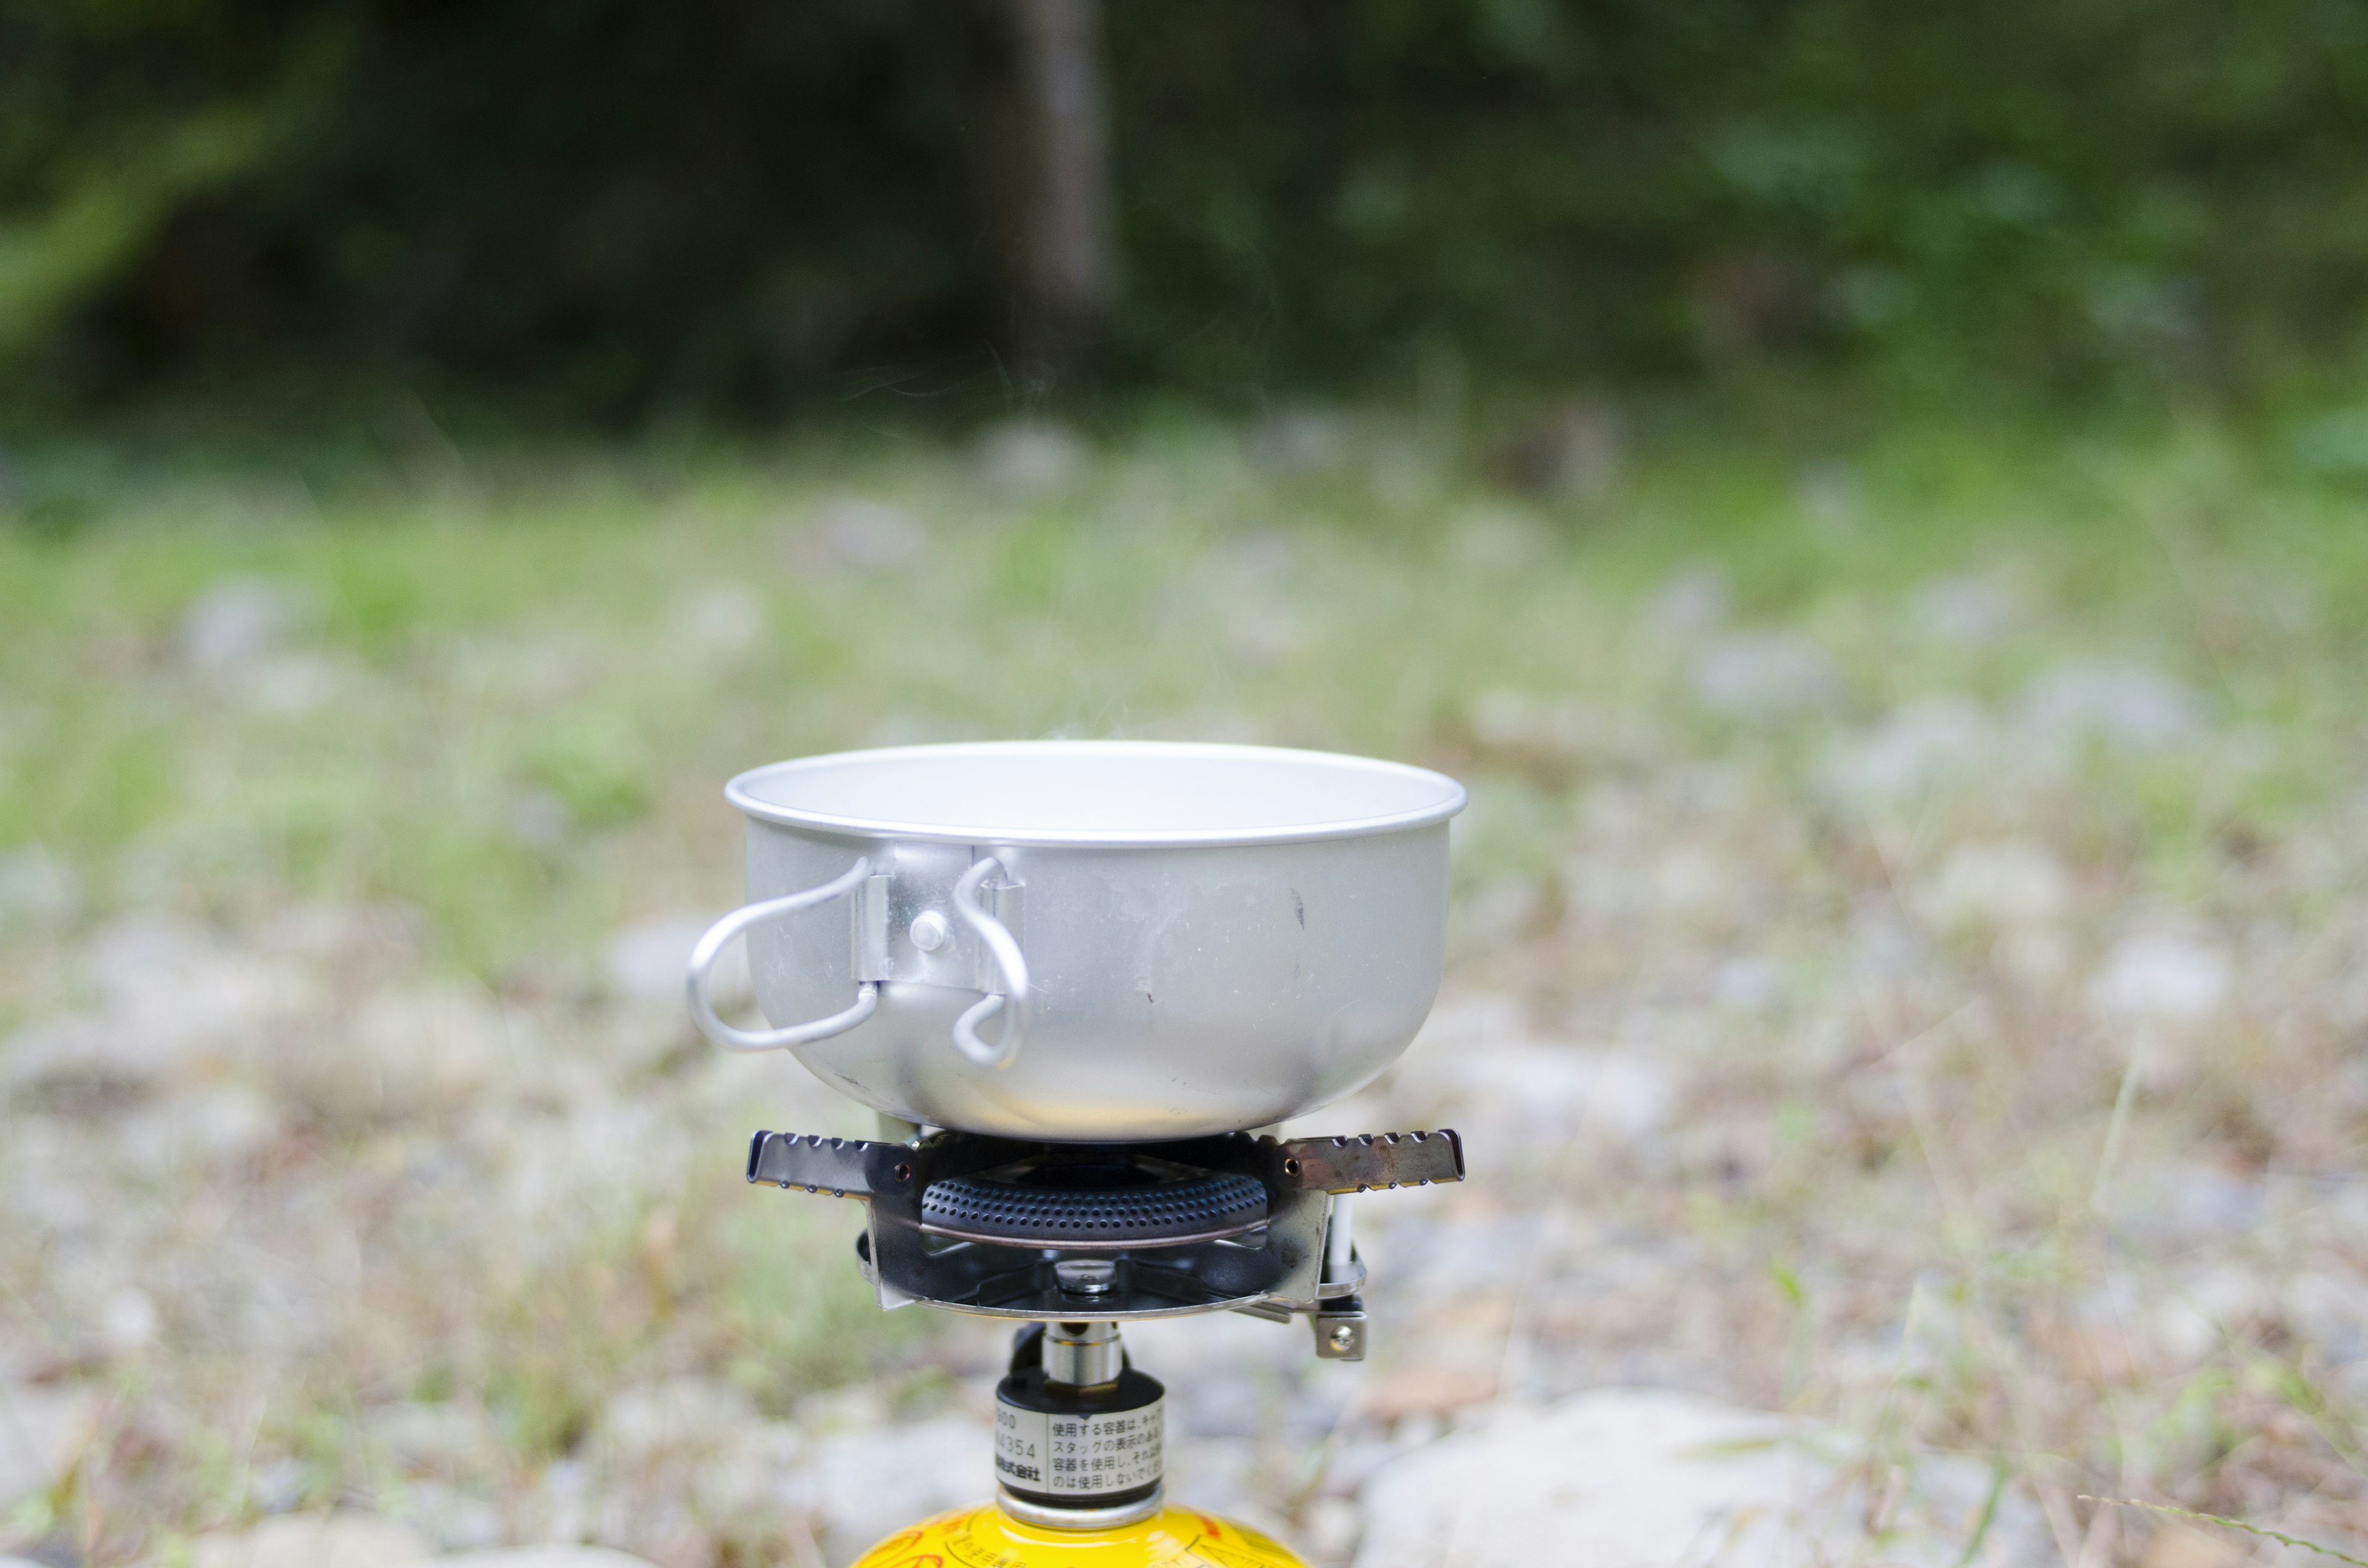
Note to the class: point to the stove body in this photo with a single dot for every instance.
(1086, 965)
(1073, 1241)
(1055, 1232)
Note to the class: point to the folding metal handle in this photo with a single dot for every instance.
(1010, 972)
(719, 935)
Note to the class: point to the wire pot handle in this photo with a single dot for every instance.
(1006, 993)
(719, 935)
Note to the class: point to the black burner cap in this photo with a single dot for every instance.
(1074, 1205)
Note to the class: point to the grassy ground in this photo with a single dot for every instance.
(1960, 836)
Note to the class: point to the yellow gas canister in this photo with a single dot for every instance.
(989, 1537)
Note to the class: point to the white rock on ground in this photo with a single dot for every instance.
(731, 1083)
(544, 1557)
(1688, 605)
(322, 1540)
(687, 1414)
(865, 1484)
(1970, 611)
(42, 1430)
(205, 1124)
(1304, 441)
(720, 620)
(451, 1516)
(294, 684)
(2126, 706)
(366, 1541)
(426, 1045)
(1477, 1067)
(1762, 674)
(238, 620)
(1029, 457)
(173, 994)
(2191, 1316)
(1499, 539)
(539, 819)
(2004, 883)
(1924, 745)
(1631, 1477)
(1518, 721)
(36, 888)
(1525, 1094)
(870, 535)
(2165, 977)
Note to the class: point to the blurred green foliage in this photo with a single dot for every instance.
(506, 706)
(719, 205)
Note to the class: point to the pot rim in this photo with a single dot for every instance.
(1452, 798)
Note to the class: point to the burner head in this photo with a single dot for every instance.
(1108, 1201)
(1066, 1232)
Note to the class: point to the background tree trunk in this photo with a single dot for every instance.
(1051, 186)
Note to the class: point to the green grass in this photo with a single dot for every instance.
(516, 680)
(526, 628)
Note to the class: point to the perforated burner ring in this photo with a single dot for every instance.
(1195, 1208)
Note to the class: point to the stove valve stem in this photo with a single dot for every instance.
(1077, 1431)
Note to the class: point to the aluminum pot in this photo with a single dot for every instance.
(1089, 941)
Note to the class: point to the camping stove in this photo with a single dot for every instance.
(1076, 1239)
(1093, 964)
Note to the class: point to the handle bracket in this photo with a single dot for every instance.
(1005, 968)
(869, 930)
(991, 916)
